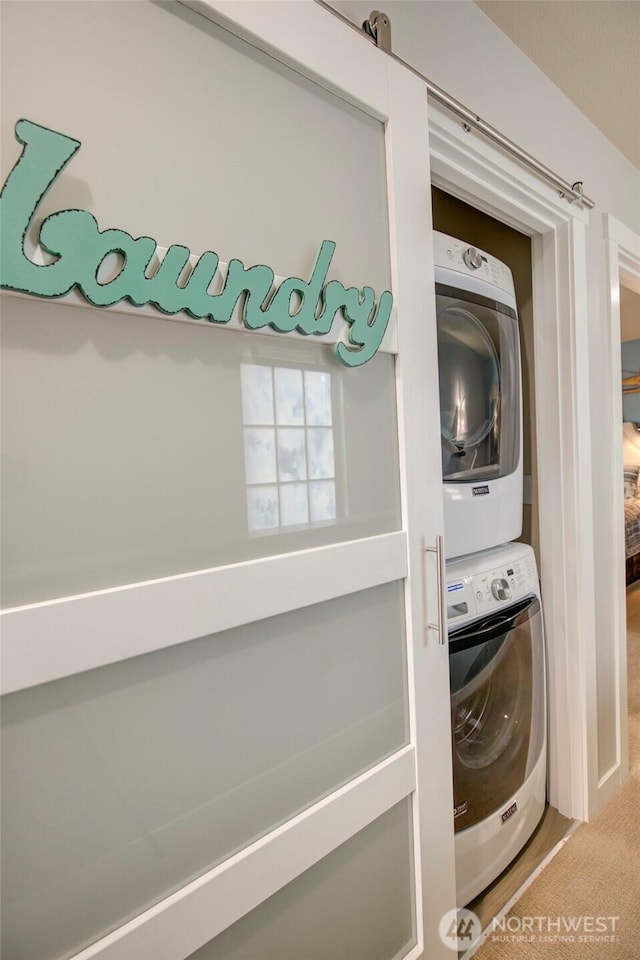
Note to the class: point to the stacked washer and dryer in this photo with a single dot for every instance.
(494, 616)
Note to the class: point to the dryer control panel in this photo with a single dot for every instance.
(486, 582)
(458, 256)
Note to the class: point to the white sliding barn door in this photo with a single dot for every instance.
(225, 715)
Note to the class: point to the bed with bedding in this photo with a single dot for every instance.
(632, 527)
(631, 456)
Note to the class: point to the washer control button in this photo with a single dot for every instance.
(500, 588)
(472, 258)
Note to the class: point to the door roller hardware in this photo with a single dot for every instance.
(378, 26)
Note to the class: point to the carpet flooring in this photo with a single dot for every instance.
(585, 904)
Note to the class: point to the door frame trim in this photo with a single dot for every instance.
(478, 172)
(621, 268)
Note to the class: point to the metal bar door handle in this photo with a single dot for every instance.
(441, 625)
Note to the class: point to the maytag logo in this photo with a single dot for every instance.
(460, 809)
(480, 491)
(509, 813)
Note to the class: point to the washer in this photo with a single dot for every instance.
(480, 397)
(498, 710)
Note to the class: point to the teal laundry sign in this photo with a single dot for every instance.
(80, 247)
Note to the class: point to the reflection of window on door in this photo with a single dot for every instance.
(288, 446)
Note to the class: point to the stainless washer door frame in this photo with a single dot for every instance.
(497, 707)
(479, 363)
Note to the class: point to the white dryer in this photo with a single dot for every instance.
(480, 397)
(498, 710)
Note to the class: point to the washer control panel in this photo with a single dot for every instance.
(473, 590)
(459, 256)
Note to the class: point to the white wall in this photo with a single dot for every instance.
(453, 44)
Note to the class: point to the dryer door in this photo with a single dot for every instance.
(478, 360)
(497, 708)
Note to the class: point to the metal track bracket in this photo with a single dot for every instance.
(577, 196)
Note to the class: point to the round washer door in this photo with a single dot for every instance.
(484, 713)
(497, 708)
(469, 378)
(478, 364)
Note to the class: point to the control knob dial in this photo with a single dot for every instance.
(500, 588)
(472, 258)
